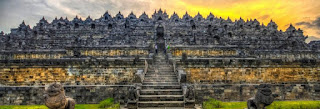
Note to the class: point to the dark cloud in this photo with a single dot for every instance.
(313, 24)
(308, 24)
(14, 11)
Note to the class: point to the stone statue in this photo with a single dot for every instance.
(55, 98)
(190, 93)
(263, 97)
(189, 96)
(132, 93)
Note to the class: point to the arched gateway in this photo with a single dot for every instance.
(160, 41)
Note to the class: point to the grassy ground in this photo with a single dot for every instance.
(78, 106)
(215, 104)
(211, 104)
(105, 104)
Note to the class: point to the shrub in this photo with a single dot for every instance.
(106, 103)
(212, 103)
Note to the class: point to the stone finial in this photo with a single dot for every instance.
(291, 28)
(165, 12)
(23, 23)
(119, 15)
(186, 16)
(272, 25)
(160, 11)
(88, 19)
(131, 13)
(229, 20)
(143, 15)
(66, 19)
(106, 13)
(55, 98)
(263, 25)
(211, 14)
(61, 19)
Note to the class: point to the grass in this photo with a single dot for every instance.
(210, 104)
(78, 106)
(105, 104)
(216, 104)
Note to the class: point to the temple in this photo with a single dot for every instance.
(203, 51)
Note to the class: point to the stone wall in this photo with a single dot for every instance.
(242, 92)
(95, 93)
(40, 76)
(252, 75)
(82, 94)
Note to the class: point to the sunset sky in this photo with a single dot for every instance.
(303, 14)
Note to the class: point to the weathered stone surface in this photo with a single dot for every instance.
(242, 92)
(80, 93)
(55, 98)
(262, 98)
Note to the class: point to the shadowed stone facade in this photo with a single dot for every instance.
(220, 57)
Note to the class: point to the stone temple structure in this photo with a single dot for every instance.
(104, 57)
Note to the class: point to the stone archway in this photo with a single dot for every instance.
(160, 41)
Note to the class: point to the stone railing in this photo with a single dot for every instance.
(139, 75)
(182, 76)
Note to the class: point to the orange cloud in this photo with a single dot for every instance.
(283, 12)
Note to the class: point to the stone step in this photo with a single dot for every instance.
(161, 87)
(161, 98)
(160, 73)
(160, 83)
(160, 80)
(165, 70)
(156, 75)
(161, 92)
(160, 60)
(161, 104)
(164, 66)
(161, 77)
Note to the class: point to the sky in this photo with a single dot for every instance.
(304, 14)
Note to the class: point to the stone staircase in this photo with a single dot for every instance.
(160, 87)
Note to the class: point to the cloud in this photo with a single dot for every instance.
(264, 17)
(311, 38)
(312, 24)
(283, 12)
(31, 11)
(315, 25)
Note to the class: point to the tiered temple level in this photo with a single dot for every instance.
(211, 49)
